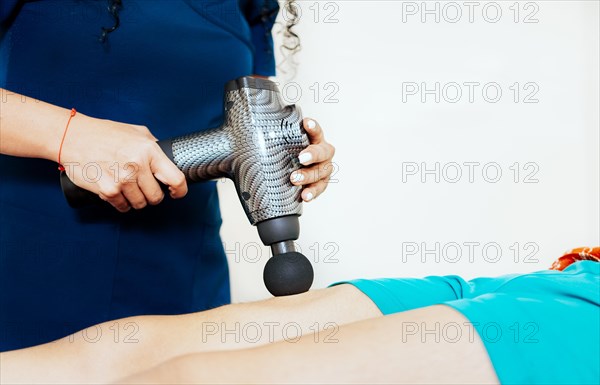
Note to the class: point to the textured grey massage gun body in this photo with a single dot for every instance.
(257, 147)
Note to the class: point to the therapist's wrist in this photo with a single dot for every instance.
(54, 120)
(58, 125)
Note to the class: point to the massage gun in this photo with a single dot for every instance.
(257, 147)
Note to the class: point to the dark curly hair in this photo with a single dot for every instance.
(114, 7)
(291, 40)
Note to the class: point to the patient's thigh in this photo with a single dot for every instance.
(160, 338)
(409, 347)
(430, 345)
(255, 323)
(344, 301)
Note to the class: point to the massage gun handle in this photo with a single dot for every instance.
(78, 197)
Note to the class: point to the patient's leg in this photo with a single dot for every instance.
(84, 357)
(380, 350)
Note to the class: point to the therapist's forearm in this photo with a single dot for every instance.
(86, 358)
(30, 128)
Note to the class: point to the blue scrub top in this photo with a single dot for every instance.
(62, 270)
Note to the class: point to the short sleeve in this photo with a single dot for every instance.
(261, 15)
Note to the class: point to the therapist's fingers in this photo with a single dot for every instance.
(150, 188)
(316, 153)
(313, 130)
(115, 198)
(312, 191)
(312, 174)
(131, 191)
(165, 171)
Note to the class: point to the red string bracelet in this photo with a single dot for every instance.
(73, 112)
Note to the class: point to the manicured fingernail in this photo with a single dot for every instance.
(305, 157)
(309, 196)
(297, 177)
(311, 124)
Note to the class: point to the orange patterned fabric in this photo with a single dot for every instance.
(579, 254)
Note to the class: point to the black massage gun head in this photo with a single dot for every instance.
(288, 274)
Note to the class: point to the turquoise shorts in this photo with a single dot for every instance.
(538, 328)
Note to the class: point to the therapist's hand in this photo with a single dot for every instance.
(119, 162)
(317, 159)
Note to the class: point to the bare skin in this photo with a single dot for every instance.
(372, 351)
(330, 335)
(84, 358)
(125, 160)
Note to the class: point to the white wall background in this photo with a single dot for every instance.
(379, 219)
